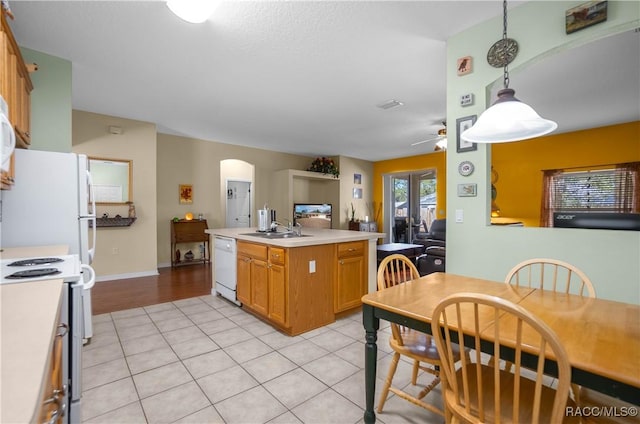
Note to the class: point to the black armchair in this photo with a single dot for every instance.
(434, 242)
(436, 236)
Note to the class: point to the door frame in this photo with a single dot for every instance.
(226, 206)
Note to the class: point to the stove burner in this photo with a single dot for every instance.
(33, 273)
(35, 261)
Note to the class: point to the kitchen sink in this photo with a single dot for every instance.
(276, 235)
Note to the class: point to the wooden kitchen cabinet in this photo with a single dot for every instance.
(351, 275)
(254, 280)
(278, 286)
(53, 405)
(15, 88)
(189, 231)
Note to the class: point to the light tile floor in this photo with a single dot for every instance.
(204, 360)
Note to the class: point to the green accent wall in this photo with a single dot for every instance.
(611, 259)
(50, 102)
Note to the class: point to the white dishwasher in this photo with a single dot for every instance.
(225, 267)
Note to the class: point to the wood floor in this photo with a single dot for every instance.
(171, 284)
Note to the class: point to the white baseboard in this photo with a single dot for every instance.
(164, 265)
(115, 277)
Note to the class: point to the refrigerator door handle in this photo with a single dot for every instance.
(92, 216)
(92, 279)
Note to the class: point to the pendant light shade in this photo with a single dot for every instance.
(193, 11)
(508, 119)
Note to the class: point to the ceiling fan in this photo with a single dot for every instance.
(440, 139)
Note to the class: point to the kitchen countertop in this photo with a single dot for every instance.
(28, 319)
(317, 236)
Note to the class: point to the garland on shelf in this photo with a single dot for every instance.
(324, 165)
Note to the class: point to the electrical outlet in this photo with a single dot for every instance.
(115, 250)
(312, 267)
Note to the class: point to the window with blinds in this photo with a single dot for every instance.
(616, 189)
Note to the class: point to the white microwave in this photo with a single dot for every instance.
(7, 136)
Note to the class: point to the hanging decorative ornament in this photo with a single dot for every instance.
(502, 52)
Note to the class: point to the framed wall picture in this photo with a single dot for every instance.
(464, 65)
(467, 190)
(357, 178)
(462, 124)
(186, 194)
(585, 15)
(357, 193)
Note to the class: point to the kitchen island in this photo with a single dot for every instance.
(298, 283)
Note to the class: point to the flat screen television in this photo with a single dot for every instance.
(597, 220)
(312, 215)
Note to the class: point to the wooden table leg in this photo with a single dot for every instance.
(371, 325)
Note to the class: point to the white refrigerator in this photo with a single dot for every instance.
(51, 203)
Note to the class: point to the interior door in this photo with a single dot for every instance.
(238, 204)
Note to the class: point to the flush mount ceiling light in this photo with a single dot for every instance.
(508, 119)
(193, 11)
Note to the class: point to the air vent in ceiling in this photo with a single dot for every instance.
(389, 104)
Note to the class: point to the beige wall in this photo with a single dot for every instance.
(123, 251)
(349, 167)
(190, 161)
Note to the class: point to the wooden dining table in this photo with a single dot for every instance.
(601, 337)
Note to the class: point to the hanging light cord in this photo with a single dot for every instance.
(504, 40)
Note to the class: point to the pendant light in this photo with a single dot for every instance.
(193, 11)
(508, 119)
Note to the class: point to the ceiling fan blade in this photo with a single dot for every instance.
(426, 141)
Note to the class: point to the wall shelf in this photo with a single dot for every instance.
(114, 222)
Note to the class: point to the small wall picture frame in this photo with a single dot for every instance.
(185, 193)
(357, 193)
(464, 65)
(357, 178)
(467, 190)
(585, 15)
(462, 124)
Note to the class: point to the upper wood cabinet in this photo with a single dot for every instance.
(15, 88)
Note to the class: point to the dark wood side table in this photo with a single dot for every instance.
(189, 231)
(411, 251)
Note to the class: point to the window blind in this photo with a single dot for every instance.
(616, 189)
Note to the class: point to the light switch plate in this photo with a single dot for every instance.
(312, 267)
(459, 215)
(466, 99)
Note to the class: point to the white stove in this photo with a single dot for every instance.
(65, 267)
(78, 278)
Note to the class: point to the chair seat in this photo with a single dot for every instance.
(419, 346)
(506, 388)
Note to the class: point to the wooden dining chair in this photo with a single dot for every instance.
(478, 393)
(551, 274)
(393, 270)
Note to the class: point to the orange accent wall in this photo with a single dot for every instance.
(437, 161)
(520, 165)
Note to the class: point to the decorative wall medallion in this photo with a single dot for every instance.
(466, 168)
(502, 52)
(464, 65)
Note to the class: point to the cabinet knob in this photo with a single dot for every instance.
(341, 262)
(351, 249)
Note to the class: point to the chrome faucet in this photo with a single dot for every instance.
(276, 224)
(298, 229)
